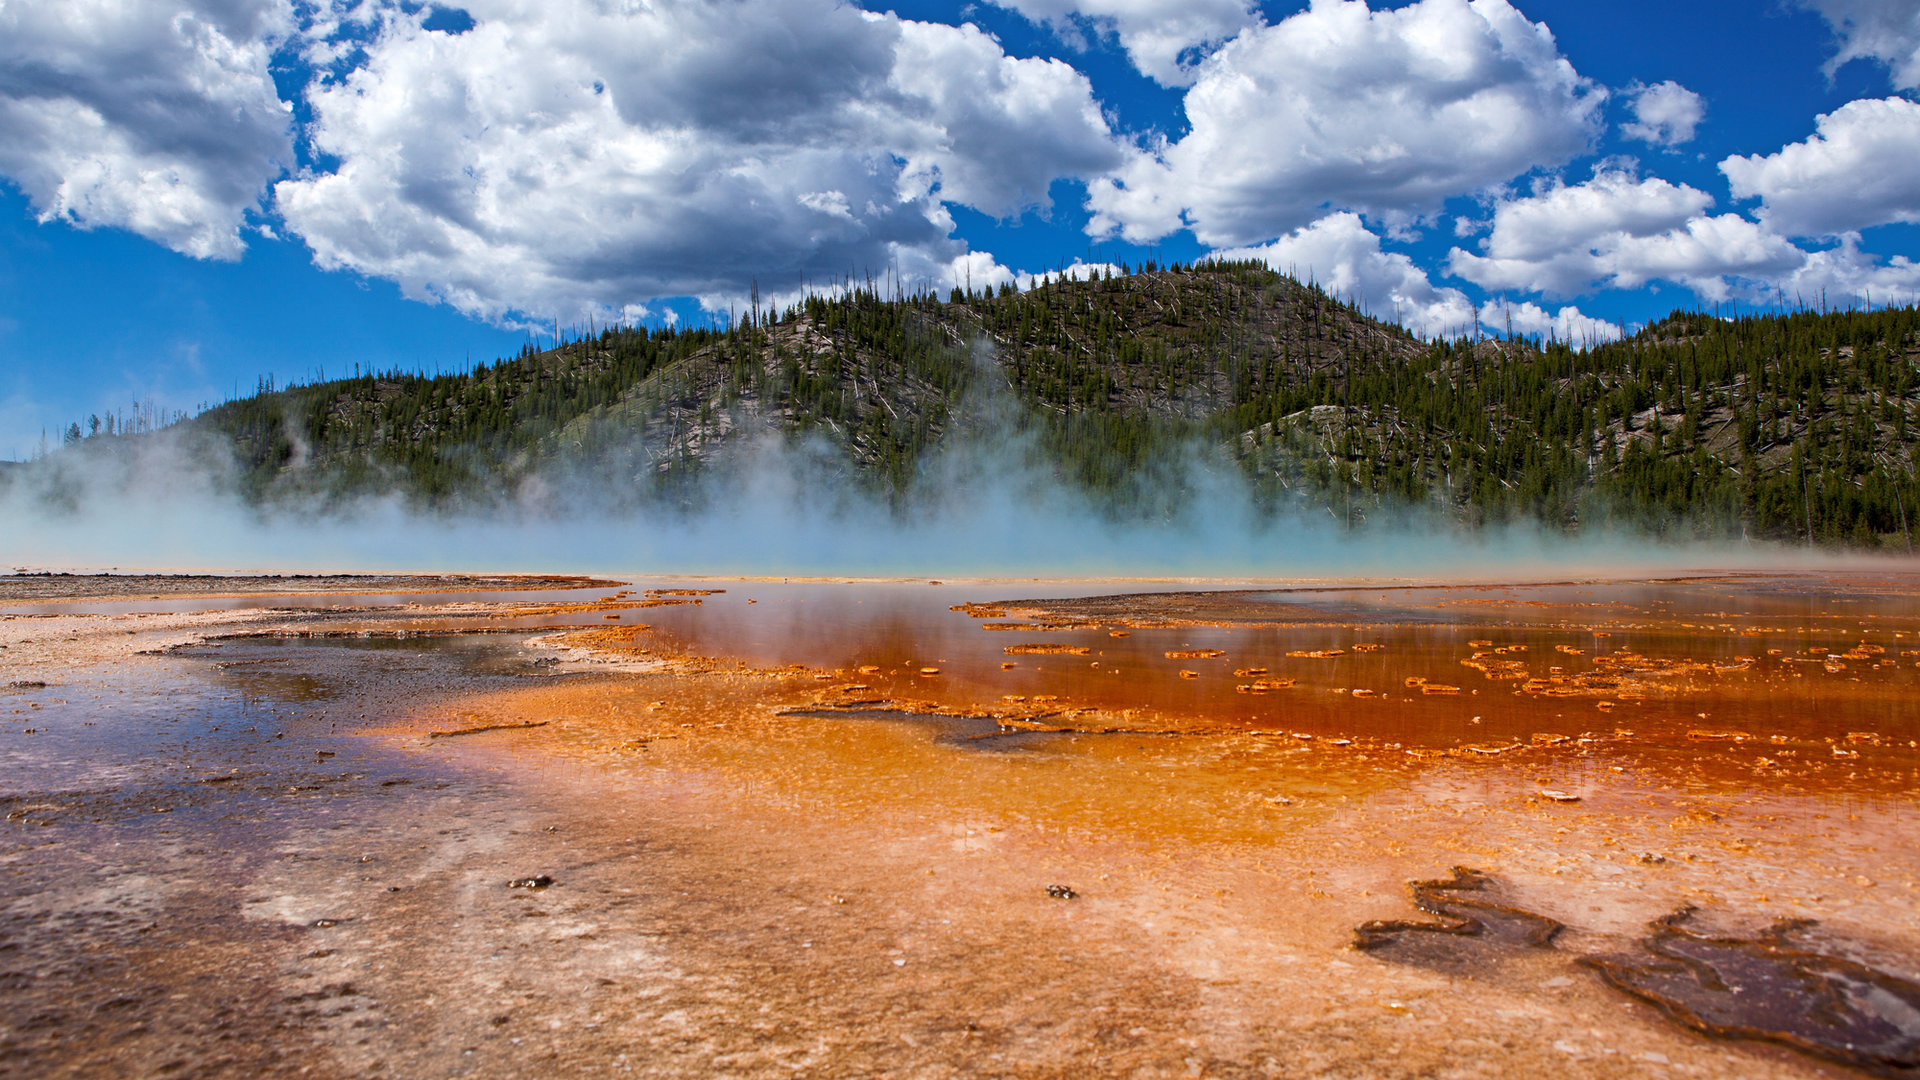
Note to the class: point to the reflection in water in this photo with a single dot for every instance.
(1778, 678)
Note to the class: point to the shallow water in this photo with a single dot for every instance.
(768, 869)
(1785, 668)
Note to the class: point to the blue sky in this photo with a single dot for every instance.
(195, 194)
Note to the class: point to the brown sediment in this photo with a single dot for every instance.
(536, 610)
(1496, 670)
(1047, 650)
(609, 637)
(453, 732)
(978, 611)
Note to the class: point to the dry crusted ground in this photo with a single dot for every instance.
(269, 859)
(26, 587)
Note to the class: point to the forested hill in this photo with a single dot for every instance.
(1791, 427)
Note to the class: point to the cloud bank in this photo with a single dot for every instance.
(1885, 31)
(1164, 39)
(547, 159)
(1345, 108)
(161, 119)
(566, 155)
(1342, 256)
(1861, 168)
(1618, 231)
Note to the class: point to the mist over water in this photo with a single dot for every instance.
(979, 507)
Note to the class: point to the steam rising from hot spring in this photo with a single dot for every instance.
(979, 508)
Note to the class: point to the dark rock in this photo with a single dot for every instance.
(1771, 988)
(1460, 916)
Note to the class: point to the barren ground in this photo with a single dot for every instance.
(234, 848)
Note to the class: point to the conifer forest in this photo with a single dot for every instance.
(1790, 427)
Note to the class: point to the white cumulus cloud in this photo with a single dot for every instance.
(1341, 255)
(1163, 38)
(159, 117)
(1664, 114)
(1619, 231)
(1884, 30)
(992, 131)
(1844, 276)
(1860, 168)
(1569, 324)
(572, 154)
(1342, 107)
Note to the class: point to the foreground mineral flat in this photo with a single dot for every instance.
(840, 829)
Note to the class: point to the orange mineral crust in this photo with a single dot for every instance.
(842, 829)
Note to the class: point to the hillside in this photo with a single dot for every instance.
(1790, 427)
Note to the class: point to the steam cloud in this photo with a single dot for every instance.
(984, 505)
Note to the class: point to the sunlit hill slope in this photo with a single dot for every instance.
(1791, 426)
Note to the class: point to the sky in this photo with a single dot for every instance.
(196, 195)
